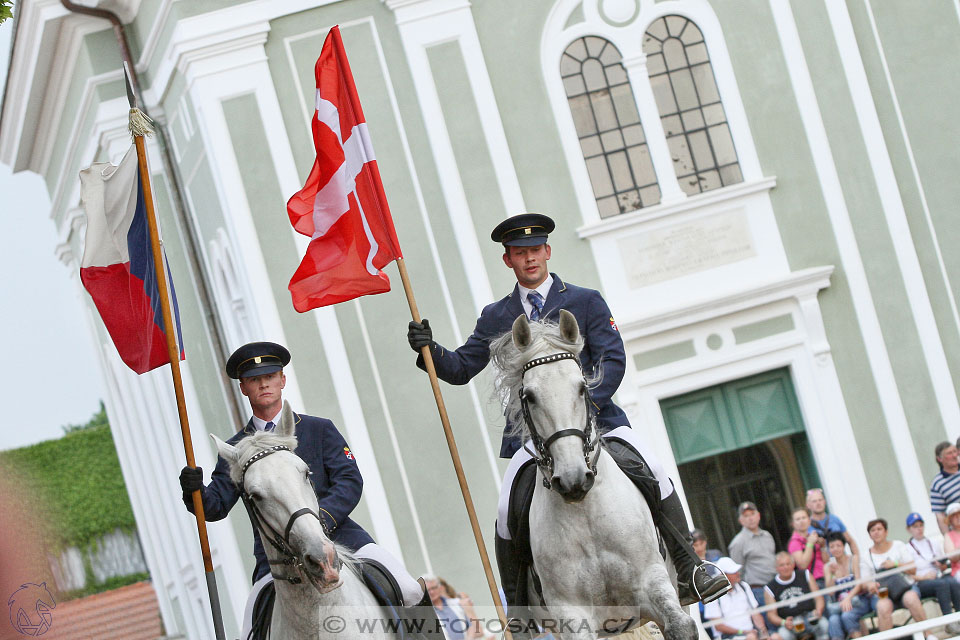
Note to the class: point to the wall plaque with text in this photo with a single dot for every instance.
(682, 249)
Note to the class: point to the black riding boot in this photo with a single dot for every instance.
(420, 622)
(689, 566)
(513, 581)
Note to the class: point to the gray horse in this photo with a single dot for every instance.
(593, 540)
(330, 592)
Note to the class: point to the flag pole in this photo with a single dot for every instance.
(454, 452)
(139, 126)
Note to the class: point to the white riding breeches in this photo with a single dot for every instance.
(411, 590)
(522, 455)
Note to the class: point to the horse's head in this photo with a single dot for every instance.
(276, 485)
(547, 399)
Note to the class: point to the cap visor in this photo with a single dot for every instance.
(526, 241)
(260, 370)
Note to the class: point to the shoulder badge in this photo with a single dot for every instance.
(613, 325)
(348, 453)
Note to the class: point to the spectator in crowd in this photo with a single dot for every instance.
(844, 613)
(732, 610)
(886, 554)
(951, 538)
(929, 583)
(808, 548)
(700, 546)
(945, 487)
(754, 548)
(456, 614)
(826, 523)
(792, 582)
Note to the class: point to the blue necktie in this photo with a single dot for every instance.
(269, 426)
(536, 301)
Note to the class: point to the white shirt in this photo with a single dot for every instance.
(734, 607)
(898, 552)
(924, 551)
(543, 290)
(260, 425)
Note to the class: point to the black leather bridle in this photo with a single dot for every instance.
(588, 434)
(281, 543)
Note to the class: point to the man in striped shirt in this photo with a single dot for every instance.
(945, 487)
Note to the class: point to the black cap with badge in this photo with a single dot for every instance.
(257, 359)
(523, 230)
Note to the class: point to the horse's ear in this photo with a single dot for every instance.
(227, 451)
(521, 332)
(286, 426)
(569, 328)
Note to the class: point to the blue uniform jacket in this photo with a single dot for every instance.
(336, 479)
(602, 347)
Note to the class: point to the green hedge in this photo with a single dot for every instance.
(78, 484)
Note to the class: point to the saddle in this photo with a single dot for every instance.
(521, 495)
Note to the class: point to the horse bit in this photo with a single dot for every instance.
(280, 542)
(590, 440)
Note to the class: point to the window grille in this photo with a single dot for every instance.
(691, 112)
(608, 125)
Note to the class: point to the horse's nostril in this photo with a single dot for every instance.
(313, 562)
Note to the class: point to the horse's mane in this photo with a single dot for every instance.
(254, 444)
(508, 361)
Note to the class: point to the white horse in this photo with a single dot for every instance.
(319, 594)
(593, 539)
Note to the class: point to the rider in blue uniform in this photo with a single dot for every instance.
(335, 474)
(540, 294)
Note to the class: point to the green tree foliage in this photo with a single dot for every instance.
(77, 481)
(6, 10)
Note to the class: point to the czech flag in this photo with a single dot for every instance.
(342, 206)
(117, 267)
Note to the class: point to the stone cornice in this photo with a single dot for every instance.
(798, 285)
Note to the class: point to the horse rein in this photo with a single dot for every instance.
(590, 439)
(279, 542)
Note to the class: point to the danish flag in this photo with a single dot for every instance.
(342, 206)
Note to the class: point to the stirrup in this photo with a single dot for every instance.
(716, 591)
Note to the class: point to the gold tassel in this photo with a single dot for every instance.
(140, 123)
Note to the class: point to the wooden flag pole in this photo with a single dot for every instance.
(174, 353)
(454, 453)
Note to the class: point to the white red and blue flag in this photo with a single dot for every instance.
(117, 267)
(342, 206)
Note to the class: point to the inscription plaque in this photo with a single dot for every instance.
(682, 249)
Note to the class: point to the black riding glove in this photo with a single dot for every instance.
(419, 335)
(191, 479)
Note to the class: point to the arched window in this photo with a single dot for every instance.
(608, 125)
(689, 103)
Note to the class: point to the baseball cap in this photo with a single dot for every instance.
(953, 508)
(914, 518)
(744, 506)
(727, 565)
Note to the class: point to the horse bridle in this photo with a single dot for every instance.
(590, 439)
(279, 542)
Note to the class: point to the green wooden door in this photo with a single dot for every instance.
(732, 416)
(743, 440)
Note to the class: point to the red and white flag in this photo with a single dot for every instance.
(342, 206)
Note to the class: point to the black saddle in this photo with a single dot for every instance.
(382, 584)
(263, 613)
